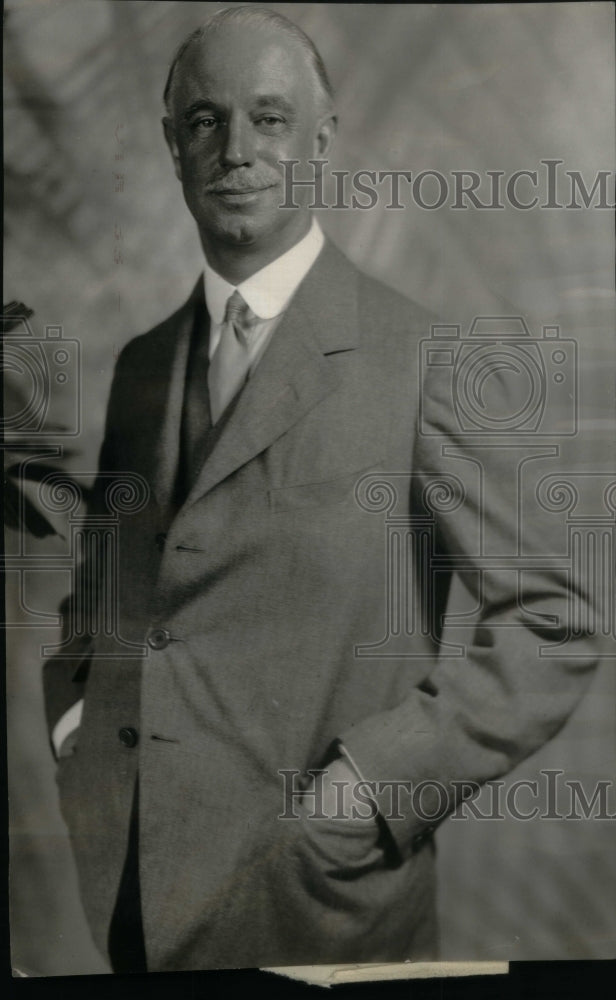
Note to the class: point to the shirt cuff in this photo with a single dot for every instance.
(66, 725)
(350, 761)
(345, 753)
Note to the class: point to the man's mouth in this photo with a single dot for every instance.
(239, 192)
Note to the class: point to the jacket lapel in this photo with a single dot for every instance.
(172, 358)
(294, 374)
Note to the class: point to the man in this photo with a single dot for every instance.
(253, 572)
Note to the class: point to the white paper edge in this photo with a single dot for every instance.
(331, 975)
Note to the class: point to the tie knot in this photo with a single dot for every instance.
(241, 316)
(236, 308)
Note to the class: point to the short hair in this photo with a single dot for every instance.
(257, 16)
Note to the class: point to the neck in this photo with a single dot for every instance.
(238, 262)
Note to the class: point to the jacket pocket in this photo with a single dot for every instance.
(300, 900)
(342, 850)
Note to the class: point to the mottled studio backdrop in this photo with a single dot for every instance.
(98, 240)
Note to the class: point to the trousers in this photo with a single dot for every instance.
(126, 943)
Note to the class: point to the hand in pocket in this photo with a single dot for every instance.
(344, 838)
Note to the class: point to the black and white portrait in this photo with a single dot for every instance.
(310, 494)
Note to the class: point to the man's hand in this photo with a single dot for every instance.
(341, 824)
(68, 745)
(333, 795)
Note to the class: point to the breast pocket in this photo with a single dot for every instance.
(323, 493)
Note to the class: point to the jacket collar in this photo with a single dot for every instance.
(293, 376)
(268, 292)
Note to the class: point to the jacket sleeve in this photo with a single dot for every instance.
(65, 673)
(529, 654)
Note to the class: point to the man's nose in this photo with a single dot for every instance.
(238, 143)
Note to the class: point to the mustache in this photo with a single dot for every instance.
(241, 182)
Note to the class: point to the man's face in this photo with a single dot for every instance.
(243, 100)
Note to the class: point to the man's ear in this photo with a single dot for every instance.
(326, 133)
(173, 146)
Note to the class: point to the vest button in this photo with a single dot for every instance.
(158, 638)
(160, 540)
(128, 737)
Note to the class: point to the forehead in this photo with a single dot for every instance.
(241, 63)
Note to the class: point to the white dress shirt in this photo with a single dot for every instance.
(267, 292)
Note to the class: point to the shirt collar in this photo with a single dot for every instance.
(268, 291)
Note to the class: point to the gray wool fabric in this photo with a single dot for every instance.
(272, 570)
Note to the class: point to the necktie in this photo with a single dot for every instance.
(231, 360)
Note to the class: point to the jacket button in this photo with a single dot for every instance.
(160, 540)
(158, 638)
(128, 736)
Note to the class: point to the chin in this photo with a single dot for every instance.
(245, 227)
(238, 229)
(242, 232)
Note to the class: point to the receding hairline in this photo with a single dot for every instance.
(255, 16)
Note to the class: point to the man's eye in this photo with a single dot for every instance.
(270, 121)
(204, 123)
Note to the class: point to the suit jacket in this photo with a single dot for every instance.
(266, 598)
